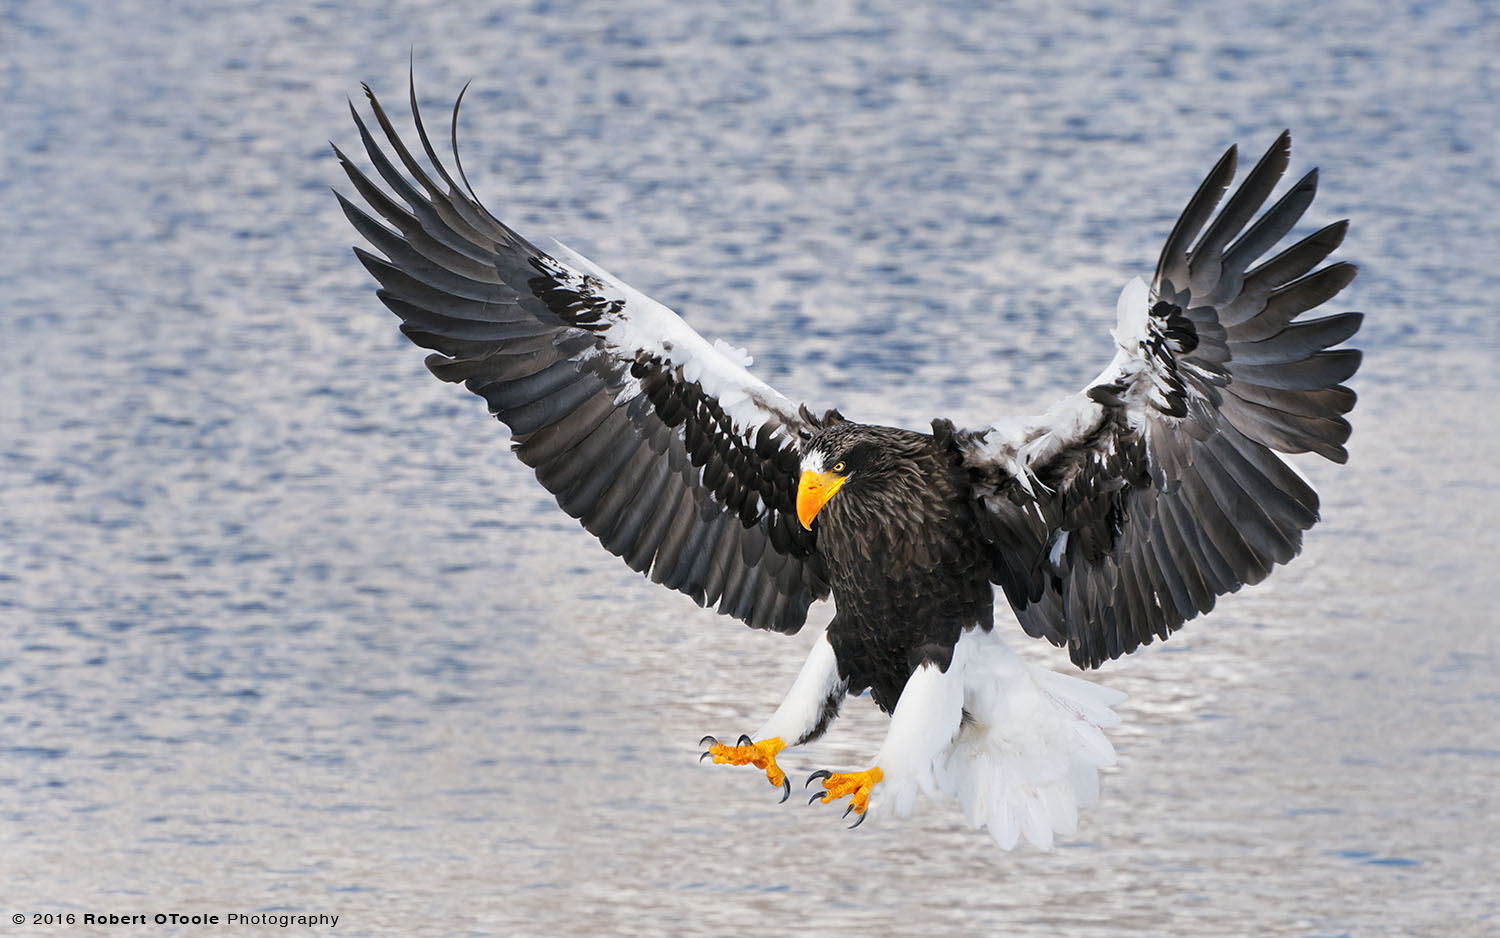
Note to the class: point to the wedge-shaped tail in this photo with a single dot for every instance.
(1028, 755)
(1020, 748)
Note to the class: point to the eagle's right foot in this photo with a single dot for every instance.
(762, 755)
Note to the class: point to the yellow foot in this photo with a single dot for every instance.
(762, 755)
(855, 784)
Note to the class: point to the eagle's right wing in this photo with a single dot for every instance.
(663, 445)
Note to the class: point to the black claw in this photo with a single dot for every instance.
(860, 821)
(704, 756)
(786, 790)
(746, 741)
(817, 797)
(708, 741)
(821, 773)
(848, 809)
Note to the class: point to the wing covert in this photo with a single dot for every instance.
(663, 445)
(1128, 508)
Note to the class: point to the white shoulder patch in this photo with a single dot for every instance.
(644, 325)
(1131, 314)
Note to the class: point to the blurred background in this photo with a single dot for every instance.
(283, 627)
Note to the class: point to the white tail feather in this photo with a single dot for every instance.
(1028, 755)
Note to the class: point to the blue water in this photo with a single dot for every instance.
(286, 628)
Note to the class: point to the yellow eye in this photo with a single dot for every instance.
(838, 466)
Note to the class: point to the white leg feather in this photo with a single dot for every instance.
(923, 726)
(804, 712)
(1018, 746)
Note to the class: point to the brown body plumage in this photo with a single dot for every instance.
(907, 566)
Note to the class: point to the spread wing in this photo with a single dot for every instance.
(662, 444)
(1128, 508)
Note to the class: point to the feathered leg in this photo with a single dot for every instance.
(1019, 746)
(804, 714)
(925, 721)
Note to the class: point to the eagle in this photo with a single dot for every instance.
(1106, 522)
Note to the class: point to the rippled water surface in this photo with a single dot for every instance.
(286, 628)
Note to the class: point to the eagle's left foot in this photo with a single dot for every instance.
(857, 785)
(762, 755)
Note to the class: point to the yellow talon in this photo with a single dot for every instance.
(855, 784)
(762, 755)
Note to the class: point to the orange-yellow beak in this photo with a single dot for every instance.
(813, 492)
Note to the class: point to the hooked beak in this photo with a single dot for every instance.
(813, 492)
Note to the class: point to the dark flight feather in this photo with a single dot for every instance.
(1230, 375)
(645, 457)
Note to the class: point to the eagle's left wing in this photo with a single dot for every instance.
(1127, 508)
(663, 445)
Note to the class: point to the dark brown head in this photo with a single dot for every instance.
(866, 467)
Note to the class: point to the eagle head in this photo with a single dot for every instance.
(858, 460)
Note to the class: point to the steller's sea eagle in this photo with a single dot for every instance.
(1109, 520)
